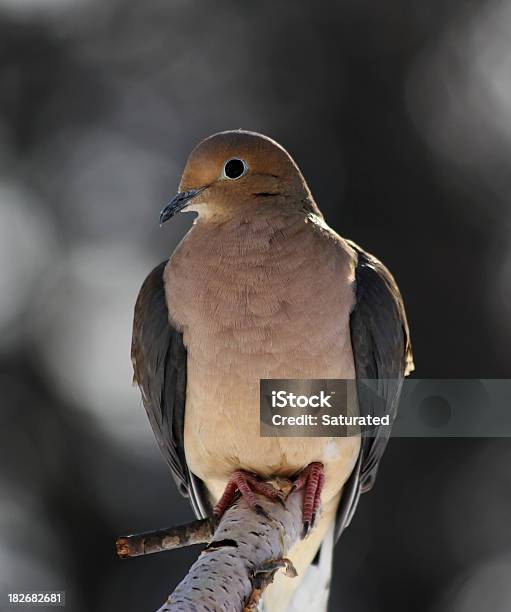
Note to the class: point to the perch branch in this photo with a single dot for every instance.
(244, 552)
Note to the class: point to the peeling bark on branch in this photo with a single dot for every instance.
(245, 551)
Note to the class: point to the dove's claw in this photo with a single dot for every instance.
(311, 479)
(246, 484)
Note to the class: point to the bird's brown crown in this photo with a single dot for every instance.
(239, 171)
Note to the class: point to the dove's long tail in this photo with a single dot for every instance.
(311, 594)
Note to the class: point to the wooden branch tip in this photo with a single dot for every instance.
(170, 538)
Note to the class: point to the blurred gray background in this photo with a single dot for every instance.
(399, 114)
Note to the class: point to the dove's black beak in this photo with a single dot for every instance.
(177, 204)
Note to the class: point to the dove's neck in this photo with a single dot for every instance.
(259, 233)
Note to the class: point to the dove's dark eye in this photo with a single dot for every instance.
(234, 169)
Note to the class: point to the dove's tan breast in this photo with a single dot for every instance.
(269, 298)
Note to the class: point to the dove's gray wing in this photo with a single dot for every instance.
(159, 364)
(382, 352)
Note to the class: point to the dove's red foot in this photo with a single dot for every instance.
(312, 479)
(247, 484)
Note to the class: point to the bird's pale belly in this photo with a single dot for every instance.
(222, 419)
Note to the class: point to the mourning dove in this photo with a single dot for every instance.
(262, 288)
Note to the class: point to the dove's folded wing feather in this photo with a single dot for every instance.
(159, 364)
(382, 352)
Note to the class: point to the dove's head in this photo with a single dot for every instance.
(239, 174)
